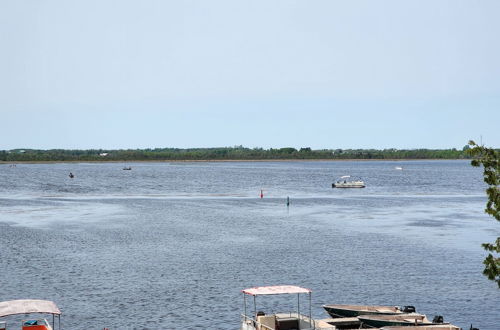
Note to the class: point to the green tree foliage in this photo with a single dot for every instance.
(490, 160)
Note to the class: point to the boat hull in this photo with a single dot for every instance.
(338, 311)
(385, 323)
(424, 327)
(378, 321)
(343, 185)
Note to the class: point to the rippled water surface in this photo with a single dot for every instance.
(170, 246)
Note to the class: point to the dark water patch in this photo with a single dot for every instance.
(428, 223)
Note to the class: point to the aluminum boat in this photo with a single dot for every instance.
(355, 310)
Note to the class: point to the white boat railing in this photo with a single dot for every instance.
(249, 323)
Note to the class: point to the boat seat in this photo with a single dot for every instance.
(35, 325)
(288, 323)
(268, 321)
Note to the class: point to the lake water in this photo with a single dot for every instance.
(171, 245)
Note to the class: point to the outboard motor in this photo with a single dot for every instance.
(472, 328)
(438, 319)
(409, 309)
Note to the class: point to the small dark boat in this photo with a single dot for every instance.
(127, 168)
(405, 319)
(71, 175)
(355, 310)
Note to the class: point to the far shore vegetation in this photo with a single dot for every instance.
(226, 153)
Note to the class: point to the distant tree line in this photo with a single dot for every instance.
(225, 153)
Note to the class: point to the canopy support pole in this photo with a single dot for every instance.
(255, 307)
(310, 311)
(298, 308)
(245, 304)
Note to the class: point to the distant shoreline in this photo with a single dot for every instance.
(225, 154)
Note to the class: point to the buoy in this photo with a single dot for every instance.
(71, 175)
(261, 194)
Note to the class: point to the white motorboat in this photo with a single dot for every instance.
(29, 306)
(347, 181)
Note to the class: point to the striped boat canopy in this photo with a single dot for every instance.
(278, 289)
(26, 306)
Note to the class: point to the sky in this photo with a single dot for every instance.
(102, 74)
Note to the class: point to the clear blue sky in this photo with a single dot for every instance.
(259, 73)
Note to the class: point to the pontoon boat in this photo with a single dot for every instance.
(347, 181)
(282, 321)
